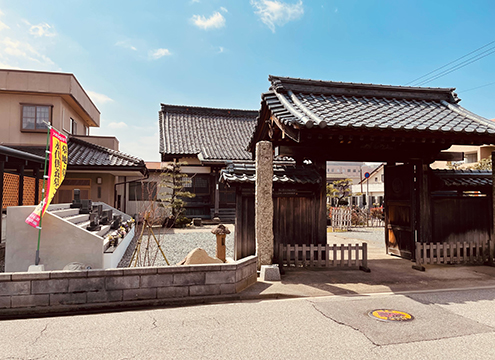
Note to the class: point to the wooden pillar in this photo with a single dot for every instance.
(425, 231)
(21, 185)
(217, 194)
(125, 194)
(264, 203)
(36, 185)
(321, 210)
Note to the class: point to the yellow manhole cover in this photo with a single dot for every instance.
(390, 315)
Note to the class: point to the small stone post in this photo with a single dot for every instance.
(221, 232)
(264, 203)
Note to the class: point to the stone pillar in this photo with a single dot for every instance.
(264, 203)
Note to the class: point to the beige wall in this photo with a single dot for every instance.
(107, 186)
(110, 142)
(10, 124)
(61, 85)
(481, 152)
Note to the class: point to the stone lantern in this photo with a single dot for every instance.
(221, 232)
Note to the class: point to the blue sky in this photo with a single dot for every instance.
(133, 55)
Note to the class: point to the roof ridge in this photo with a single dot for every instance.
(283, 84)
(171, 106)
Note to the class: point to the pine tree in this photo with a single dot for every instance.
(173, 181)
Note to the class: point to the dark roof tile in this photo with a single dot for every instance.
(212, 134)
(83, 153)
(284, 172)
(299, 102)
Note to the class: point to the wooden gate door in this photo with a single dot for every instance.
(400, 214)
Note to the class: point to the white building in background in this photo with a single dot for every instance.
(340, 170)
(371, 188)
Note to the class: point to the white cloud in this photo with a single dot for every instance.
(3, 26)
(117, 125)
(220, 49)
(8, 66)
(224, 9)
(216, 21)
(99, 98)
(275, 12)
(195, 1)
(125, 44)
(159, 53)
(21, 50)
(42, 29)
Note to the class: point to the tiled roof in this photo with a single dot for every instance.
(465, 179)
(282, 174)
(211, 134)
(311, 103)
(85, 154)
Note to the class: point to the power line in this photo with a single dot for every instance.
(477, 87)
(452, 62)
(459, 66)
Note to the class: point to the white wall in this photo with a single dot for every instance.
(61, 242)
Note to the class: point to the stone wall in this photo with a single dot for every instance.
(63, 291)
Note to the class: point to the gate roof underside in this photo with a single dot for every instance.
(365, 122)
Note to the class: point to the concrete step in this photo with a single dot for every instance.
(77, 219)
(104, 230)
(83, 224)
(65, 212)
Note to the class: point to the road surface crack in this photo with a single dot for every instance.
(153, 324)
(344, 324)
(40, 335)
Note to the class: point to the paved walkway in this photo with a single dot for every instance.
(388, 274)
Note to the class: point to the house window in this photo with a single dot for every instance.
(73, 126)
(35, 117)
(471, 158)
(187, 182)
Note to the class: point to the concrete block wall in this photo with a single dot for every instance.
(63, 291)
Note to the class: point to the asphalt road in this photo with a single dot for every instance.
(453, 324)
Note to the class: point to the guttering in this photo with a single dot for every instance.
(5, 150)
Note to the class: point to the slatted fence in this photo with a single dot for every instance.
(472, 252)
(341, 218)
(343, 256)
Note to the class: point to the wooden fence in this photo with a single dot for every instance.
(343, 256)
(341, 218)
(10, 191)
(472, 252)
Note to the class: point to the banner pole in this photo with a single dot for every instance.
(43, 193)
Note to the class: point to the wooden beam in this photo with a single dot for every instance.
(425, 232)
(288, 131)
(449, 156)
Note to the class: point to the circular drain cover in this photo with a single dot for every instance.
(390, 315)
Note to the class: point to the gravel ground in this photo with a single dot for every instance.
(176, 244)
(373, 236)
